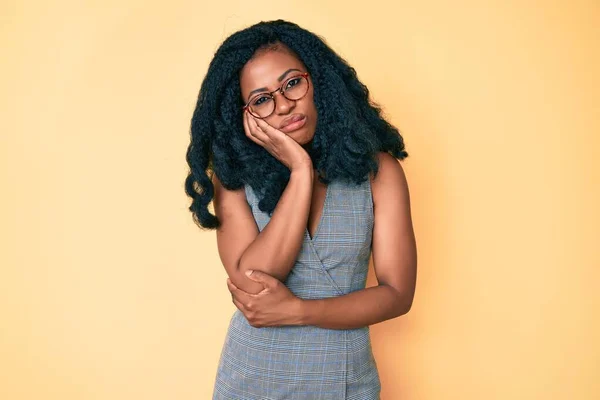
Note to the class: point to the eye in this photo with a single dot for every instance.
(293, 82)
(261, 99)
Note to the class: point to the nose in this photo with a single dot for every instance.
(283, 105)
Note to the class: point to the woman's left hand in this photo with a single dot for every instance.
(275, 305)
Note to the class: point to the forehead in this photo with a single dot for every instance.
(264, 69)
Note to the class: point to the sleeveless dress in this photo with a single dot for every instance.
(308, 362)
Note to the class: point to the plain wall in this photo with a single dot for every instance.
(109, 291)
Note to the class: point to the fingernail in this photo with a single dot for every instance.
(249, 272)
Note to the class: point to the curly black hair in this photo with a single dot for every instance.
(350, 128)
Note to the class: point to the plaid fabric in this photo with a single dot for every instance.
(308, 362)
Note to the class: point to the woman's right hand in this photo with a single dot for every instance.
(277, 143)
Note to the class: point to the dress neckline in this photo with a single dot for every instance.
(321, 219)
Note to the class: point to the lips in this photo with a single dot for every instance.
(291, 119)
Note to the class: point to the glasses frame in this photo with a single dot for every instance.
(280, 90)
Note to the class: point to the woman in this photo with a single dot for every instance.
(306, 185)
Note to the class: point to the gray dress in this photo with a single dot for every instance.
(308, 362)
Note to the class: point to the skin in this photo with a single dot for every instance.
(262, 74)
(263, 298)
(266, 72)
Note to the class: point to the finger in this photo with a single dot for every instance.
(239, 305)
(239, 294)
(245, 122)
(255, 133)
(265, 279)
(267, 128)
(231, 286)
(249, 130)
(256, 130)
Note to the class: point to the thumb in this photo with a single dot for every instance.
(262, 277)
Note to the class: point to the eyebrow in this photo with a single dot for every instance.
(264, 89)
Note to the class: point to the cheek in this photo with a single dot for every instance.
(311, 105)
(314, 111)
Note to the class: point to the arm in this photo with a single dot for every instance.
(275, 249)
(355, 310)
(394, 257)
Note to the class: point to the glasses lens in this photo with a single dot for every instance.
(295, 88)
(261, 105)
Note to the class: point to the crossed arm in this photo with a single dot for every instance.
(395, 261)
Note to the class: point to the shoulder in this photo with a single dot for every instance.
(390, 170)
(390, 180)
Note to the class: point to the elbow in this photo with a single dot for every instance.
(406, 306)
(402, 307)
(400, 302)
(274, 272)
(404, 303)
(245, 265)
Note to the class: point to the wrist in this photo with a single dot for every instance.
(303, 167)
(299, 313)
(307, 312)
(305, 175)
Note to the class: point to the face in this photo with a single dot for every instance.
(266, 72)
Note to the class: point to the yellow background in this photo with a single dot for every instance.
(109, 291)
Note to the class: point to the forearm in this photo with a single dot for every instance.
(355, 310)
(276, 248)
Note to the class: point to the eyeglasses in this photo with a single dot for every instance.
(263, 104)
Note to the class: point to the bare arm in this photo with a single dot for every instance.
(275, 249)
(394, 258)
